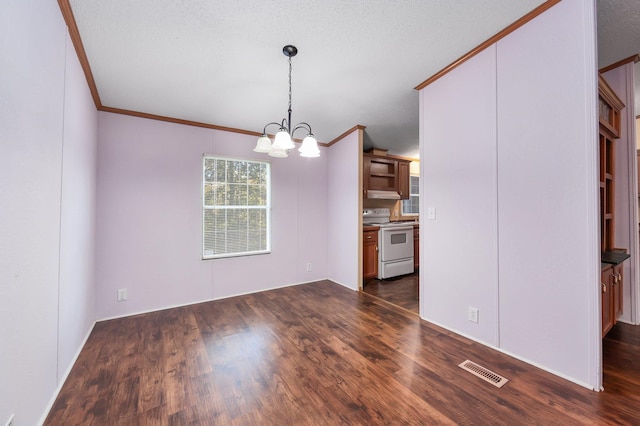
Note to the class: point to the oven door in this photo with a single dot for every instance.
(396, 243)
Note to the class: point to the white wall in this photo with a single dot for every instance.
(621, 81)
(541, 96)
(46, 208)
(344, 210)
(547, 191)
(77, 221)
(149, 230)
(460, 174)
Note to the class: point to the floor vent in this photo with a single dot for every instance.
(483, 373)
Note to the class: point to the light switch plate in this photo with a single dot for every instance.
(431, 213)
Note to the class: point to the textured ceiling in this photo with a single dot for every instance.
(221, 62)
(619, 35)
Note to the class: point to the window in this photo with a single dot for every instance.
(236, 204)
(410, 207)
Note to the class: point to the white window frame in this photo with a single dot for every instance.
(206, 252)
(412, 194)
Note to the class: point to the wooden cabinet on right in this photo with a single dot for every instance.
(609, 108)
(611, 288)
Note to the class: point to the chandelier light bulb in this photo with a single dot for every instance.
(283, 140)
(309, 147)
(263, 145)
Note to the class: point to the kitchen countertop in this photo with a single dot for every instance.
(370, 227)
(614, 257)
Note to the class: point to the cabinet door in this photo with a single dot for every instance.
(403, 180)
(607, 301)
(370, 254)
(607, 311)
(616, 294)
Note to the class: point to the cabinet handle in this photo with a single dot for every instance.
(619, 276)
(369, 237)
(604, 288)
(376, 247)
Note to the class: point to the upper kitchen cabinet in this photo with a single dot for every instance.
(609, 108)
(403, 179)
(385, 177)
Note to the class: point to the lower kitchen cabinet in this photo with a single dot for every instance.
(611, 288)
(370, 254)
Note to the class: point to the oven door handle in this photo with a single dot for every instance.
(397, 228)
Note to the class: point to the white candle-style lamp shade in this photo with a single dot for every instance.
(263, 145)
(309, 147)
(278, 153)
(283, 141)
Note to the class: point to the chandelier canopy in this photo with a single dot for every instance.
(283, 141)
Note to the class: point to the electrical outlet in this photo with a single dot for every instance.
(473, 314)
(309, 267)
(122, 294)
(10, 421)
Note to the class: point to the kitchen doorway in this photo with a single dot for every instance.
(391, 236)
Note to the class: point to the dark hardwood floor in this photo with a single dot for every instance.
(402, 291)
(320, 354)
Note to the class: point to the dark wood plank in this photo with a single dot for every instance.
(319, 354)
(403, 291)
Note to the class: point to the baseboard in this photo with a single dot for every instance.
(520, 358)
(164, 308)
(64, 377)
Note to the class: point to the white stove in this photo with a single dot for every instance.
(395, 240)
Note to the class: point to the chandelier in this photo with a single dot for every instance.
(283, 141)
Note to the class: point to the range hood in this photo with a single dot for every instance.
(383, 195)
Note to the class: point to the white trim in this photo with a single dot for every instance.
(65, 376)
(634, 249)
(205, 208)
(594, 306)
(512, 355)
(180, 305)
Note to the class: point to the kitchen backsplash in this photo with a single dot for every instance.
(394, 206)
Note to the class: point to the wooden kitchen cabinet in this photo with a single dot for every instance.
(609, 108)
(616, 294)
(403, 179)
(382, 173)
(416, 246)
(605, 284)
(370, 253)
(611, 282)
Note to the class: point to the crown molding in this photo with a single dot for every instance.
(502, 34)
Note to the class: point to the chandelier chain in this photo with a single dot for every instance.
(289, 86)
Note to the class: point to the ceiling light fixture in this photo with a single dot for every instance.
(284, 138)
